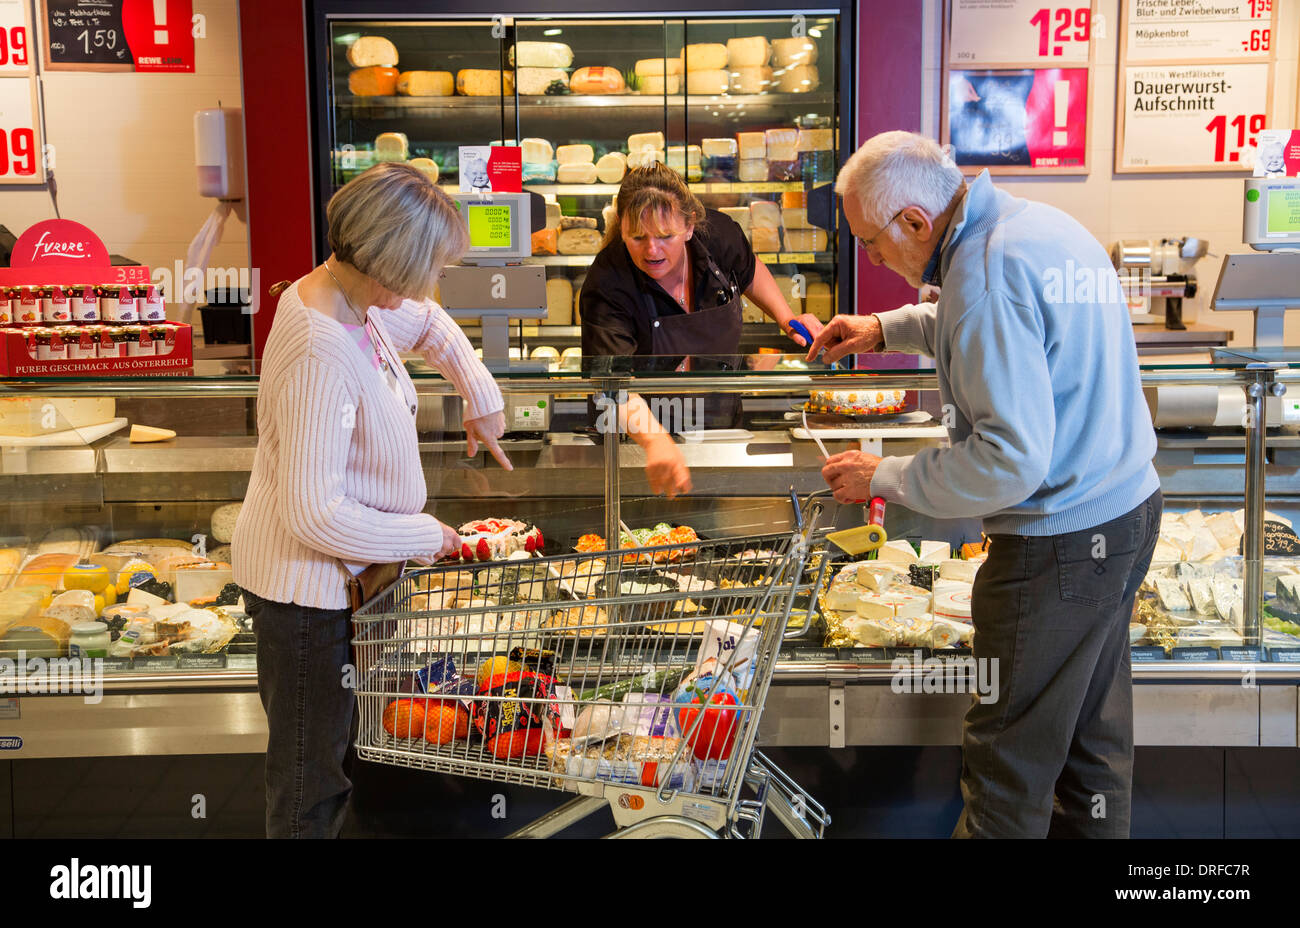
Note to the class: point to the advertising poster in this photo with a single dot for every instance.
(1035, 119)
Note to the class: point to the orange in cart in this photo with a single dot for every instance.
(405, 718)
(445, 722)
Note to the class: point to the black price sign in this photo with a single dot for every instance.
(862, 655)
(202, 662)
(1279, 541)
(85, 35)
(1195, 654)
(1247, 655)
(156, 662)
(1146, 654)
(1284, 655)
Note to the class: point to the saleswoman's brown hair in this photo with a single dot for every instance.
(651, 191)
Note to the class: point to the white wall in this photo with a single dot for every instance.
(124, 152)
(1134, 206)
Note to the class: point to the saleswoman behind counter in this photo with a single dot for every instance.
(667, 284)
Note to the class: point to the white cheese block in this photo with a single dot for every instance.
(138, 597)
(579, 242)
(952, 569)
(752, 171)
(608, 214)
(953, 604)
(1203, 546)
(643, 140)
(644, 157)
(223, 522)
(658, 67)
(897, 552)
(741, 215)
(816, 140)
(1171, 595)
(1224, 528)
(751, 80)
(1165, 554)
(950, 586)
(611, 167)
(477, 82)
(718, 148)
(36, 415)
(553, 214)
(875, 606)
(752, 145)
(806, 240)
(878, 576)
(575, 154)
(1202, 596)
(787, 52)
(873, 633)
(748, 52)
(946, 633)
(659, 84)
(910, 606)
(1228, 598)
(704, 83)
(934, 552)
(541, 55)
(534, 81)
(765, 240)
(426, 83)
(372, 51)
(537, 151)
(782, 144)
(580, 173)
(843, 597)
(559, 302)
(803, 79)
(706, 56)
(684, 159)
(391, 146)
(1194, 519)
(764, 214)
(426, 166)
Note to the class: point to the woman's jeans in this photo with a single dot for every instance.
(302, 656)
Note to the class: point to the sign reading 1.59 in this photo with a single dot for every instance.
(1058, 27)
(1260, 8)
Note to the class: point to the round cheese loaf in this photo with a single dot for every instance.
(953, 606)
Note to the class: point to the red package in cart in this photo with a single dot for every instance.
(514, 701)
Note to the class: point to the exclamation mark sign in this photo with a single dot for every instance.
(160, 22)
(1060, 137)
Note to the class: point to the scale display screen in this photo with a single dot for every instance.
(1284, 212)
(489, 226)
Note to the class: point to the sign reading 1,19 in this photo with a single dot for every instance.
(1219, 126)
(1080, 19)
(13, 45)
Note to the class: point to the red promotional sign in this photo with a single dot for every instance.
(506, 169)
(158, 33)
(1027, 118)
(1057, 111)
(59, 243)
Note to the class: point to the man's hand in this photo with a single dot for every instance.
(665, 468)
(487, 429)
(810, 322)
(849, 475)
(847, 335)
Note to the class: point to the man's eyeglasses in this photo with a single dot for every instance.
(866, 243)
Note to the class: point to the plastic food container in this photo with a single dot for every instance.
(89, 640)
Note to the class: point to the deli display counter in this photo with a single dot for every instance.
(141, 527)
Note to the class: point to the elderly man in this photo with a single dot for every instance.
(1051, 444)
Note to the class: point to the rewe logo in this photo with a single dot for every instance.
(68, 249)
(77, 881)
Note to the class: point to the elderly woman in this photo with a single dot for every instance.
(337, 483)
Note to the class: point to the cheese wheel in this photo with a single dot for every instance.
(643, 158)
(799, 51)
(546, 241)
(537, 151)
(706, 56)
(806, 240)
(372, 50)
(373, 82)
(579, 173)
(541, 55)
(559, 302)
(803, 79)
(644, 140)
(579, 242)
(597, 80)
(611, 167)
(816, 140)
(751, 80)
(575, 154)
(478, 82)
(658, 67)
(718, 148)
(740, 214)
(44, 636)
(426, 83)
(707, 82)
(953, 569)
(426, 166)
(752, 145)
(765, 240)
(953, 606)
(577, 222)
(29, 415)
(659, 85)
(795, 217)
(750, 52)
(782, 144)
(533, 82)
(764, 214)
(223, 522)
(391, 146)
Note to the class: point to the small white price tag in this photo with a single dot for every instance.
(15, 39)
(21, 159)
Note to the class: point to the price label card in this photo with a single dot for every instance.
(1171, 30)
(15, 39)
(20, 140)
(1146, 654)
(1284, 655)
(1194, 118)
(1031, 32)
(1195, 654)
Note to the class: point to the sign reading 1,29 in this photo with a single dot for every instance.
(1070, 25)
(13, 46)
(1219, 126)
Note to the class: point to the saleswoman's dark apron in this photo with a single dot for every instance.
(711, 339)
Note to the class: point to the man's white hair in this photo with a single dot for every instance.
(894, 170)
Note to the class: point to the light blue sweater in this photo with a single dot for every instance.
(1038, 374)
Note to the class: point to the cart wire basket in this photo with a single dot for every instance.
(633, 678)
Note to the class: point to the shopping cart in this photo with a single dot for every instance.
(560, 673)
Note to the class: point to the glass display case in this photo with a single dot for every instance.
(747, 107)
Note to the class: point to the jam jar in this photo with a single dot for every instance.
(150, 302)
(83, 342)
(49, 343)
(138, 342)
(112, 341)
(85, 303)
(27, 309)
(8, 299)
(117, 305)
(55, 308)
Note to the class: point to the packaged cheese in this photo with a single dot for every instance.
(752, 145)
(819, 302)
(559, 302)
(816, 140)
(546, 241)
(533, 82)
(764, 214)
(597, 80)
(782, 144)
(798, 51)
(752, 170)
(38, 415)
(643, 140)
(711, 148)
(579, 242)
(478, 82)
(803, 79)
(611, 167)
(577, 173)
(373, 82)
(806, 240)
(795, 217)
(42, 636)
(749, 52)
(427, 166)
(644, 157)
(371, 50)
(659, 85)
(707, 82)
(658, 67)
(541, 55)
(683, 155)
(741, 215)
(575, 154)
(426, 83)
(751, 80)
(706, 56)
(537, 151)
(765, 240)
(391, 146)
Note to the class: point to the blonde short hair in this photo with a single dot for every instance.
(647, 196)
(894, 170)
(395, 226)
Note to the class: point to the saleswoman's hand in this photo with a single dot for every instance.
(810, 322)
(665, 468)
(488, 430)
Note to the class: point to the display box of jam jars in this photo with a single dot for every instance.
(96, 349)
